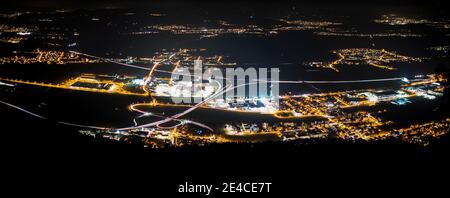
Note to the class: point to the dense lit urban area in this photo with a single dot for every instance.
(338, 79)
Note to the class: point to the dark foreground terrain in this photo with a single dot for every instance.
(42, 155)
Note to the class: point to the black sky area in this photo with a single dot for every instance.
(117, 4)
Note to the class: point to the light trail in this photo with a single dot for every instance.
(45, 118)
(144, 113)
(23, 110)
(228, 88)
(174, 126)
(149, 76)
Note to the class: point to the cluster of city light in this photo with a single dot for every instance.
(393, 19)
(319, 27)
(378, 58)
(17, 30)
(301, 25)
(421, 133)
(223, 27)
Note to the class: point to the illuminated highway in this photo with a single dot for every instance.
(221, 90)
(45, 118)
